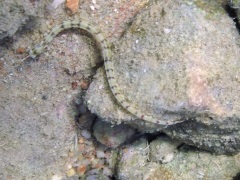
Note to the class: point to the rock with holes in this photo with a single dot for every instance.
(178, 61)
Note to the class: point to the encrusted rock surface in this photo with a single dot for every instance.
(180, 57)
(112, 135)
(15, 14)
(39, 105)
(163, 149)
(187, 164)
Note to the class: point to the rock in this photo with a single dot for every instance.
(234, 4)
(107, 171)
(179, 64)
(71, 172)
(112, 135)
(133, 161)
(233, 9)
(55, 4)
(94, 177)
(100, 154)
(86, 134)
(72, 5)
(86, 120)
(15, 14)
(163, 149)
(188, 163)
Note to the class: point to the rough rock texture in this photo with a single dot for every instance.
(15, 14)
(163, 149)
(133, 161)
(39, 105)
(233, 9)
(187, 164)
(112, 135)
(235, 3)
(35, 129)
(180, 57)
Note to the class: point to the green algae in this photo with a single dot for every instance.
(213, 8)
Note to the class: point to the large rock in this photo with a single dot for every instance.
(187, 164)
(15, 14)
(179, 60)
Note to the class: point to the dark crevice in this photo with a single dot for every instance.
(232, 12)
(237, 177)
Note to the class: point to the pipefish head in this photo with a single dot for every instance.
(33, 53)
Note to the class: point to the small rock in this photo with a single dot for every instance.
(162, 149)
(112, 136)
(21, 50)
(83, 109)
(86, 120)
(55, 4)
(74, 85)
(72, 5)
(71, 172)
(107, 171)
(81, 169)
(100, 154)
(57, 177)
(133, 161)
(99, 176)
(84, 85)
(86, 134)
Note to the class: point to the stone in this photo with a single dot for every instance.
(133, 160)
(86, 134)
(112, 135)
(72, 5)
(235, 4)
(163, 149)
(15, 14)
(178, 61)
(188, 163)
(100, 154)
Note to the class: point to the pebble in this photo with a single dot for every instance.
(84, 84)
(74, 85)
(57, 177)
(100, 154)
(71, 172)
(163, 149)
(72, 5)
(112, 136)
(83, 109)
(107, 171)
(55, 4)
(82, 169)
(92, 7)
(21, 50)
(86, 134)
